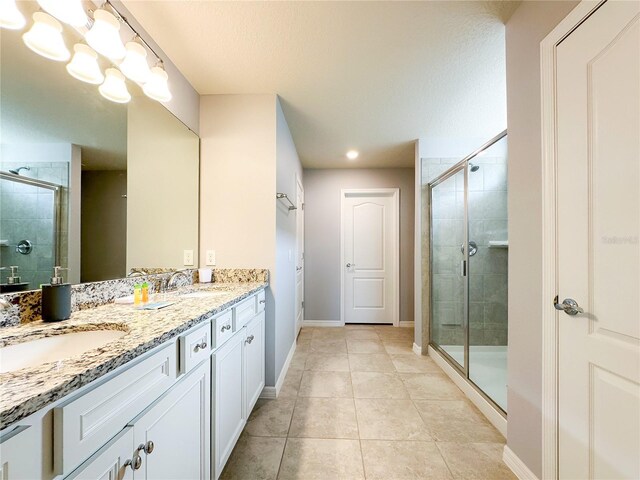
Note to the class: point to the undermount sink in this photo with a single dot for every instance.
(202, 294)
(54, 348)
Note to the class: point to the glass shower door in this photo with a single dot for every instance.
(448, 283)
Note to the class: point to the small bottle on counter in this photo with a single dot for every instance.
(145, 292)
(56, 298)
(137, 294)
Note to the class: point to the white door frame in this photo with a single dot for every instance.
(300, 212)
(395, 195)
(550, 338)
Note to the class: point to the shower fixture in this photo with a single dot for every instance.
(18, 170)
(474, 168)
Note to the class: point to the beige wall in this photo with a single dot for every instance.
(104, 225)
(162, 187)
(525, 30)
(247, 156)
(322, 235)
(238, 179)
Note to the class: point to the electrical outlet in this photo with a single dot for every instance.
(211, 257)
(188, 257)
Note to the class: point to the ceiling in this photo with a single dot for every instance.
(370, 76)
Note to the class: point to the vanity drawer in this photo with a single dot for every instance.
(222, 327)
(195, 347)
(262, 301)
(86, 422)
(245, 311)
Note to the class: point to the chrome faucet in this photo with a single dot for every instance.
(137, 272)
(171, 283)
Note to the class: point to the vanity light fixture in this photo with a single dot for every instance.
(157, 87)
(10, 16)
(104, 35)
(352, 154)
(45, 38)
(114, 88)
(67, 11)
(135, 66)
(84, 65)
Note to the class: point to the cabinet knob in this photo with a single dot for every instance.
(262, 301)
(148, 448)
(135, 464)
(197, 348)
(250, 339)
(225, 328)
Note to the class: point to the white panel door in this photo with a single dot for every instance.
(114, 461)
(598, 154)
(229, 408)
(370, 256)
(175, 432)
(254, 359)
(299, 256)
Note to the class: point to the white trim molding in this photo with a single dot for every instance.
(322, 323)
(516, 465)
(273, 392)
(417, 349)
(488, 410)
(395, 194)
(548, 46)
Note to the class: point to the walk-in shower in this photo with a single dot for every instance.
(32, 234)
(465, 238)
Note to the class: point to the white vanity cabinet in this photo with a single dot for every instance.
(229, 411)
(238, 371)
(16, 450)
(172, 435)
(112, 462)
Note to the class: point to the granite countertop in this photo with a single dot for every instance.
(25, 391)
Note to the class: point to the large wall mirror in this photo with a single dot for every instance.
(95, 186)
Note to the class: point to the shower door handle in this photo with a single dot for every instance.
(463, 268)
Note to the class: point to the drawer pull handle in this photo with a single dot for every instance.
(148, 448)
(197, 348)
(225, 328)
(249, 339)
(262, 301)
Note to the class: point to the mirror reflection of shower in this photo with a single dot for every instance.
(474, 168)
(17, 171)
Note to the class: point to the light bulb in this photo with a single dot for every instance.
(352, 154)
(45, 38)
(67, 11)
(84, 65)
(157, 86)
(134, 65)
(10, 16)
(114, 88)
(104, 35)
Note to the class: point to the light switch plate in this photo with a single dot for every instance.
(211, 257)
(188, 257)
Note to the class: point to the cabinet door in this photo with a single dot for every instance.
(173, 434)
(111, 462)
(229, 417)
(20, 453)
(254, 361)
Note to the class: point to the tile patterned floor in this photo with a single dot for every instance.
(357, 403)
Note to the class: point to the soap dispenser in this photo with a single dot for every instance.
(56, 298)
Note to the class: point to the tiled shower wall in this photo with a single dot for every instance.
(487, 268)
(27, 213)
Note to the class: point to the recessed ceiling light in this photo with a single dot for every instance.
(352, 154)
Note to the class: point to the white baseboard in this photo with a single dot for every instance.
(407, 324)
(273, 392)
(417, 349)
(516, 465)
(322, 323)
(488, 410)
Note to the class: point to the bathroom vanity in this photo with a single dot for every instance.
(168, 398)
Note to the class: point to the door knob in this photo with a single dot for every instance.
(349, 265)
(568, 306)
